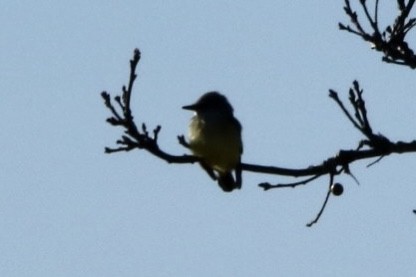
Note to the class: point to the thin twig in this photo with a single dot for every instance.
(376, 14)
(376, 161)
(318, 216)
(267, 186)
(367, 14)
(127, 92)
(334, 96)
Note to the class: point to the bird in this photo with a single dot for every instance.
(215, 138)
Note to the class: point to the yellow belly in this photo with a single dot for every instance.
(219, 145)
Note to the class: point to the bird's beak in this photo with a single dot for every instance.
(192, 107)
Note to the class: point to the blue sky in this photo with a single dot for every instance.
(67, 209)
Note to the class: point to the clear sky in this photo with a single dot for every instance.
(68, 209)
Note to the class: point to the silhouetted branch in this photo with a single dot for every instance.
(373, 146)
(267, 186)
(361, 121)
(134, 138)
(342, 159)
(318, 216)
(391, 42)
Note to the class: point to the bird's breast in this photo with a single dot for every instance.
(217, 141)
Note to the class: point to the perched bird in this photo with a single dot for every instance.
(215, 137)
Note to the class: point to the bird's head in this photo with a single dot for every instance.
(209, 102)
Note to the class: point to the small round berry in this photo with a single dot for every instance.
(337, 189)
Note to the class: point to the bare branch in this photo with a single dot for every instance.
(134, 139)
(334, 95)
(376, 14)
(374, 145)
(378, 145)
(361, 121)
(127, 92)
(344, 157)
(267, 186)
(318, 216)
(391, 42)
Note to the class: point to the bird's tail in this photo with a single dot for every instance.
(227, 183)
